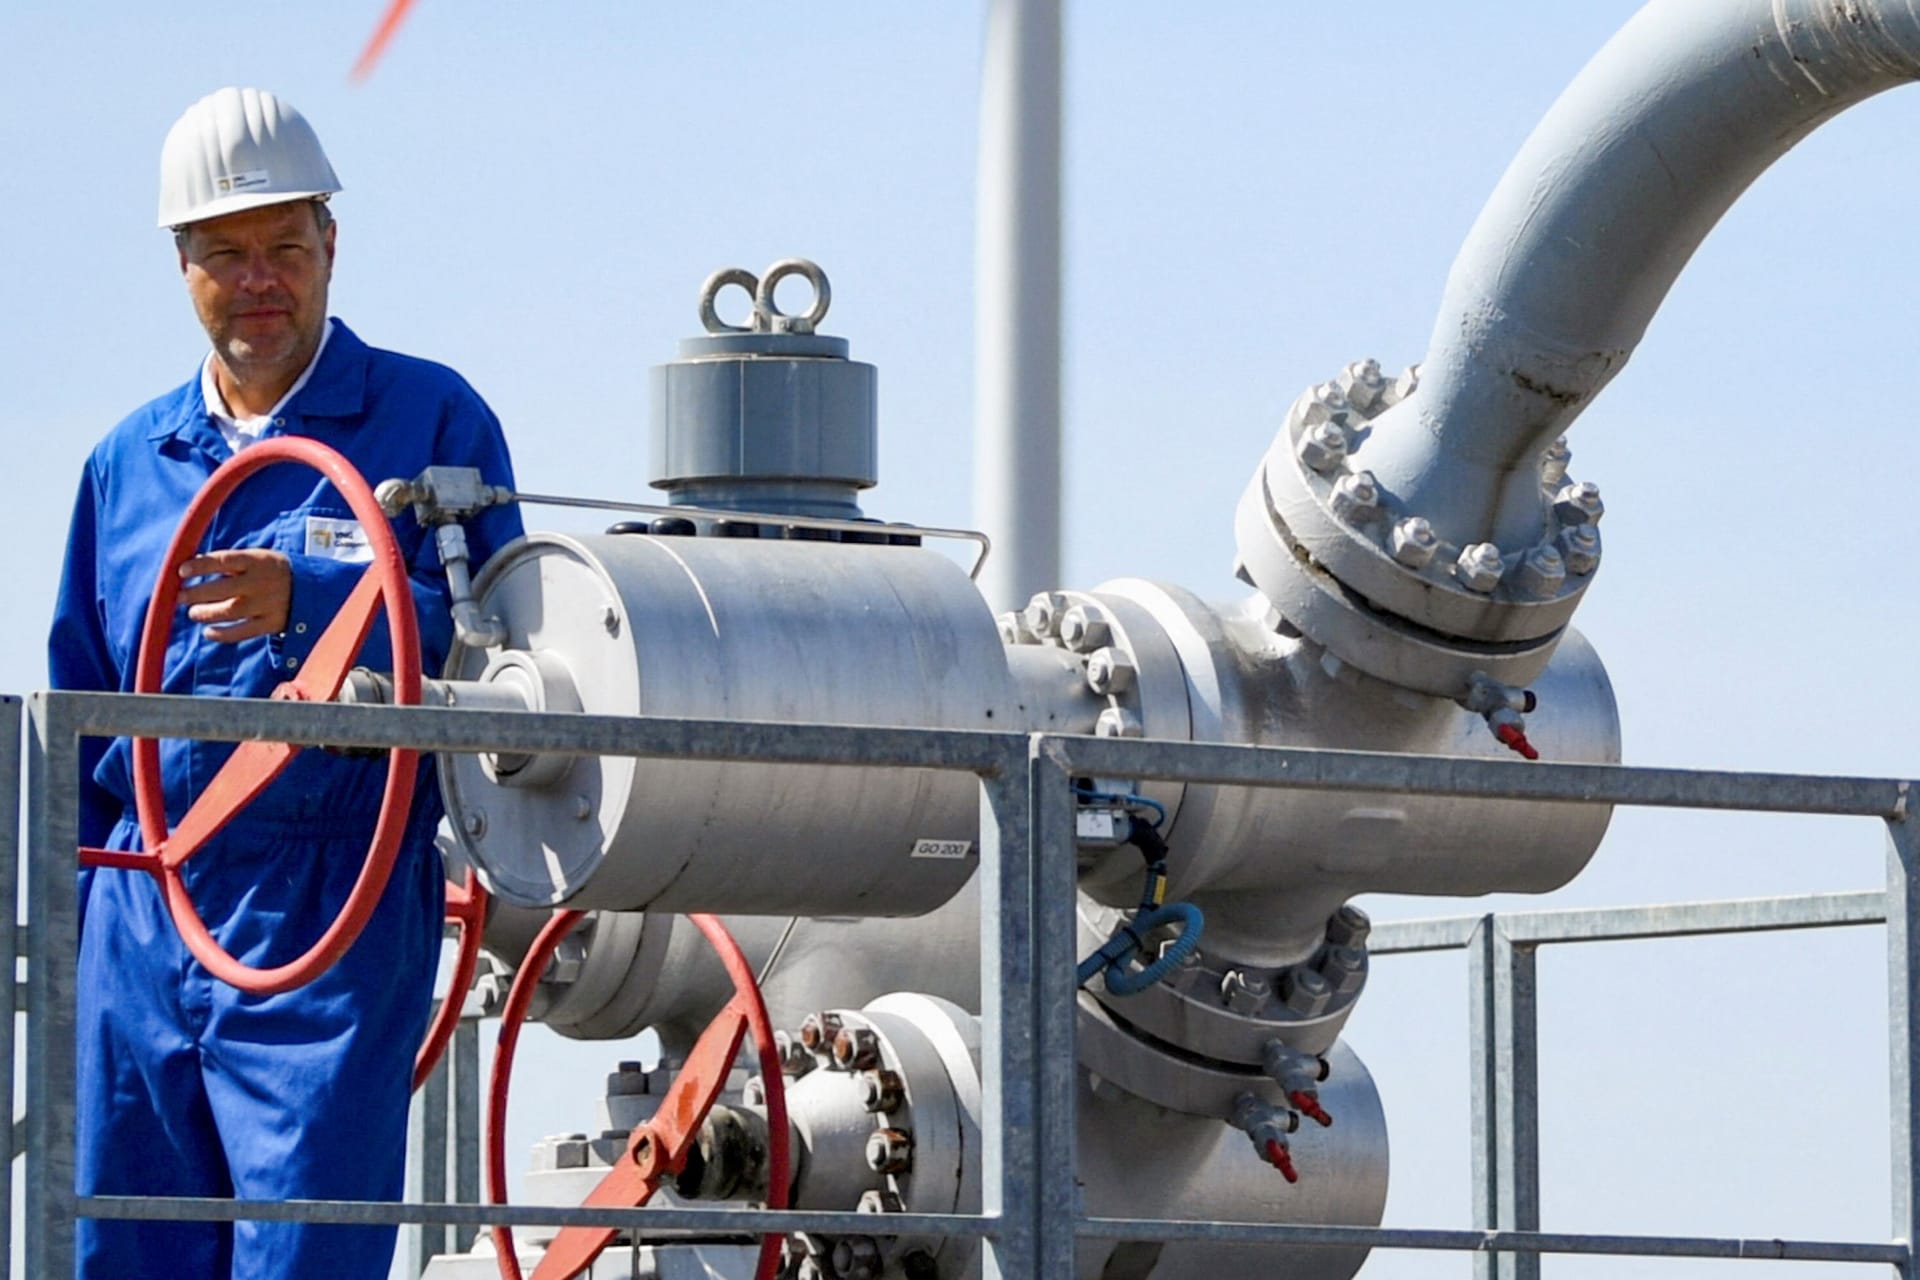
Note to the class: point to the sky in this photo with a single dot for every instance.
(1256, 194)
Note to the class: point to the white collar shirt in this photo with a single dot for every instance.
(239, 432)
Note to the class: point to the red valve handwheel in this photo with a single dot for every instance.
(467, 912)
(253, 765)
(657, 1149)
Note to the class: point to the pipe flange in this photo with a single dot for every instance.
(1127, 659)
(1229, 1012)
(1355, 629)
(1343, 523)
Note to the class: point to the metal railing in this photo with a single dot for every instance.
(1029, 1220)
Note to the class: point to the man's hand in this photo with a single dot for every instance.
(246, 593)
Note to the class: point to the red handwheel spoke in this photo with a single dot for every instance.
(657, 1149)
(333, 653)
(247, 772)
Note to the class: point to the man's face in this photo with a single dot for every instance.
(258, 280)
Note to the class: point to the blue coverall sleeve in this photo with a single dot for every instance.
(78, 656)
(469, 435)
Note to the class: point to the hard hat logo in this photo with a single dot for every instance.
(238, 149)
(252, 180)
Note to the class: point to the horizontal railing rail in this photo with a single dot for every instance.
(1030, 1220)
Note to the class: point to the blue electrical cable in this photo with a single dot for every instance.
(1113, 955)
(1129, 939)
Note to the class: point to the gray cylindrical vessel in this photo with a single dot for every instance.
(741, 630)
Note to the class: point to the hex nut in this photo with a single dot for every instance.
(856, 1049)
(882, 1091)
(1085, 628)
(1013, 628)
(1117, 722)
(1109, 670)
(890, 1151)
(1244, 993)
(1349, 927)
(1345, 969)
(1580, 548)
(1579, 504)
(1363, 384)
(569, 958)
(631, 1079)
(1322, 403)
(1479, 567)
(565, 1152)
(817, 1031)
(1554, 463)
(795, 1058)
(1323, 447)
(1042, 614)
(1305, 992)
(856, 1258)
(1355, 498)
(1414, 542)
(1401, 387)
(1541, 572)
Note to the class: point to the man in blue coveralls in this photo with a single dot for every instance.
(187, 1086)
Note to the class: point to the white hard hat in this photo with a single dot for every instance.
(239, 149)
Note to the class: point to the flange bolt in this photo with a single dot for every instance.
(1541, 572)
(890, 1151)
(856, 1049)
(1579, 504)
(1345, 969)
(1355, 498)
(1109, 671)
(817, 1031)
(856, 1258)
(1306, 992)
(1554, 463)
(1580, 548)
(882, 1091)
(1042, 614)
(1414, 542)
(1084, 628)
(1349, 927)
(1479, 567)
(1323, 447)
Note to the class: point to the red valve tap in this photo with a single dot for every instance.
(1513, 736)
(1276, 1152)
(1308, 1105)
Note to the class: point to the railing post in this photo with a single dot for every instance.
(427, 1165)
(1903, 1019)
(1506, 1086)
(1008, 1173)
(1056, 886)
(9, 943)
(465, 1056)
(53, 807)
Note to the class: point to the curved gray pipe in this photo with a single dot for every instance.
(1592, 223)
